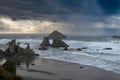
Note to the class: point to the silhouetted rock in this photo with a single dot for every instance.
(107, 48)
(56, 35)
(59, 43)
(45, 42)
(43, 48)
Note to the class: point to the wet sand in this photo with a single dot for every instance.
(46, 69)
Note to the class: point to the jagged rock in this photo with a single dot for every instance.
(43, 48)
(26, 52)
(59, 43)
(45, 42)
(15, 50)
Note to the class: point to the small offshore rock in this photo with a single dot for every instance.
(107, 48)
(79, 49)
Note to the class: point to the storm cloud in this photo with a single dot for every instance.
(73, 17)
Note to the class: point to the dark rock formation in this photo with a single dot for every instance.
(26, 52)
(59, 43)
(45, 42)
(15, 50)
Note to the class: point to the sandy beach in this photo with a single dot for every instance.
(46, 69)
(37, 68)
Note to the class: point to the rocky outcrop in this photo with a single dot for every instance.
(26, 52)
(15, 50)
(57, 41)
(45, 42)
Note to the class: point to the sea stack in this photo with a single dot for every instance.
(57, 39)
(12, 47)
(45, 42)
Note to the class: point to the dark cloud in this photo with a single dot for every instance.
(70, 16)
(110, 6)
(39, 9)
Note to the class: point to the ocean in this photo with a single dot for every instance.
(94, 55)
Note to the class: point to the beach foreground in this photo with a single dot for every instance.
(46, 69)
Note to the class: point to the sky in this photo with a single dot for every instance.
(73, 17)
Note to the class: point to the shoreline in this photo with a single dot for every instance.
(49, 69)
